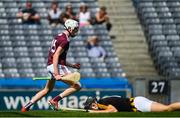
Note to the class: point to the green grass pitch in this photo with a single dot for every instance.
(49, 113)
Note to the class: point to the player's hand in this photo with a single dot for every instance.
(77, 66)
(57, 77)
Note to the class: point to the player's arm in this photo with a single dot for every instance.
(77, 65)
(55, 62)
(109, 109)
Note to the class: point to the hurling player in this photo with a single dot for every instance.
(59, 68)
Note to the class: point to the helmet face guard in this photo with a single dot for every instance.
(74, 32)
(88, 103)
(73, 25)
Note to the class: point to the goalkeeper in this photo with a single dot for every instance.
(59, 68)
(118, 104)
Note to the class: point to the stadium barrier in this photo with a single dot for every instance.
(16, 92)
(162, 90)
(175, 94)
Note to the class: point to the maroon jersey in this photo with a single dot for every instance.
(62, 41)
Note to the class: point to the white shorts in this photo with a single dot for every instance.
(142, 104)
(63, 70)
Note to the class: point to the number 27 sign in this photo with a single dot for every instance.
(158, 87)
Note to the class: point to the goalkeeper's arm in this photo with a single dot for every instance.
(109, 109)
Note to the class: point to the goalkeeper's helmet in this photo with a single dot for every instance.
(88, 103)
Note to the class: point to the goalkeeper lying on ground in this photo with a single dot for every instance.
(118, 104)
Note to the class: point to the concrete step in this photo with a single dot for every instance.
(127, 32)
(128, 27)
(129, 46)
(123, 16)
(130, 58)
(120, 30)
(137, 61)
(105, 1)
(140, 56)
(124, 9)
(134, 28)
(125, 39)
(136, 39)
(126, 21)
(137, 26)
(112, 2)
(141, 64)
(121, 4)
(138, 65)
(138, 74)
(130, 43)
(120, 11)
(126, 46)
(131, 33)
(139, 69)
(141, 74)
(133, 51)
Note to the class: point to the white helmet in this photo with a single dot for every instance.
(69, 23)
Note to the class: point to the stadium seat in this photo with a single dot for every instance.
(161, 20)
(25, 47)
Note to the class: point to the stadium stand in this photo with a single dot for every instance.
(160, 19)
(24, 48)
(129, 41)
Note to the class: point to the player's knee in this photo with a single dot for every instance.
(169, 108)
(77, 86)
(166, 108)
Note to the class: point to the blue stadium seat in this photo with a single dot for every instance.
(26, 46)
(161, 19)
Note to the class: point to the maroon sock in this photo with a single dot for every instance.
(57, 98)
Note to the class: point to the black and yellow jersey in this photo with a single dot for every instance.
(121, 104)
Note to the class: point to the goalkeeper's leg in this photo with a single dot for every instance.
(49, 86)
(158, 107)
